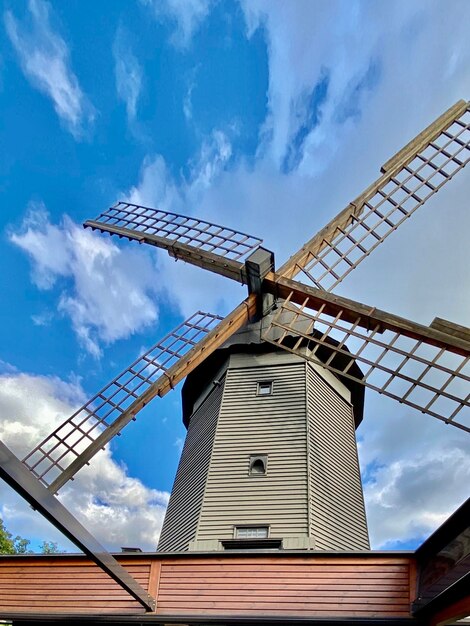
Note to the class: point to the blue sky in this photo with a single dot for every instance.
(266, 116)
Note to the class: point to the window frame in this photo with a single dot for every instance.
(238, 527)
(252, 460)
(259, 384)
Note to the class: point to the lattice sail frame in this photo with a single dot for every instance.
(178, 229)
(415, 174)
(432, 379)
(107, 412)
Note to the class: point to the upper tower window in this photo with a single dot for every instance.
(258, 464)
(265, 388)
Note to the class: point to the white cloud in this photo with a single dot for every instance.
(128, 74)
(158, 188)
(410, 498)
(186, 286)
(44, 59)
(416, 471)
(214, 156)
(116, 508)
(155, 187)
(185, 15)
(105, 291)
(308, 40)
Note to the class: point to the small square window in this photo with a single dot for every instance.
(265, 388)
(251, 532)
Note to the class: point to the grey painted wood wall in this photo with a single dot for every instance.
(310, 496)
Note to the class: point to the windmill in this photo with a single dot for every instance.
(294, 314)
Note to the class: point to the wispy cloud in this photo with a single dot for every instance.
(128, 73)
(185, 15)
(117, 508)
(187, 101)
(157, 187)
(106, 292)
(45, 61)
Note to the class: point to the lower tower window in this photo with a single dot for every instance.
(251, 532)
(251, 538)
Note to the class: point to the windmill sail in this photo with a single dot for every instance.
(195, 241)
(409, 179)
(419, 366)
(60, 455)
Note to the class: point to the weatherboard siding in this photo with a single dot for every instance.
(181, 518)
(286, 587)
(66, 585)
(213, 585)
(338, 520)
(311, 495)
(250, 424)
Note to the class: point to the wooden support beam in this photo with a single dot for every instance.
(450, 614)
(451, 328)
(390, 169)
(425, 136)
(370, 316)
(225, 329)
(179, 251)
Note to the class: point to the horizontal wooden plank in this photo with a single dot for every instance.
(54, 581)
(144, 569)
(242, 602)
(83, 610)
(64, 560)
(287, 612)
(27, 578)
(260, 569)
(282, 560)
(297, 575)
(319, 585)
(261, 595)
(65, 598)
(92, 574)
(301, 604)
(31, 603)
(216, 558)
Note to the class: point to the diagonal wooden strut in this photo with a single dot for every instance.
(23, 482)
(409, 179)
(419, 366)
(63, 453)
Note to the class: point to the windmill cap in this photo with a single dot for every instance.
(248, 340)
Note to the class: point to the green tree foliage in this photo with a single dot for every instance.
(19, 545)
(6, 544)
(10, 544)
(49, 547)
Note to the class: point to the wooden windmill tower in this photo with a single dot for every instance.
(274, 390)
